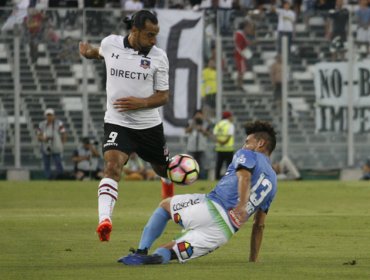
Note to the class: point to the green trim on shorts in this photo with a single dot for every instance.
(219, 219)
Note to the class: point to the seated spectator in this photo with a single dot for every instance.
(136, 170)
(366, 170)
(86, 159)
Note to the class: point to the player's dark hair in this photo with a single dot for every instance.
(262, 130)
(139, 18)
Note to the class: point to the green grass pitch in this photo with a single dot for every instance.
(315, 230)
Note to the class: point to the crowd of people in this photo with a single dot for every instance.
(245, 38)
(240, 19)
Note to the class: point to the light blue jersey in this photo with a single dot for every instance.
(263, 182)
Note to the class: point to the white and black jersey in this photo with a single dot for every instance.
(130, 73)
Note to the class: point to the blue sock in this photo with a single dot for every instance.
(165, 253)
(154, 228)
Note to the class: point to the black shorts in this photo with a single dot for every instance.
(148, 143)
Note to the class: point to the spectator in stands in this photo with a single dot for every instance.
(210, 34)
(366, 170)
(136, 170)
(276, 79)
(86, 159)
(338, 26)
(363, 29)
(224, 15)
(133, 5)
(198, 134)
(224, 133)
(52, 135)
(34, 23)
(242, 51)
(94, 18)
(309, 11)
(323, 6)
(286, 25)
(209, 89)
(297, 4)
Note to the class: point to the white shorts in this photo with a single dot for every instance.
(206, 225)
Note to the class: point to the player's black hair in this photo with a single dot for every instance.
(139, 18)
(263, 130)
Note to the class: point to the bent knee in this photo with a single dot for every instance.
(166, 204)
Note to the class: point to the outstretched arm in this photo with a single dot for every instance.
(89, 51)
(257, 234)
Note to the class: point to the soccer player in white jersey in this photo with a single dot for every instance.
(210, 220)
(137, 85)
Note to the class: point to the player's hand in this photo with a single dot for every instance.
(129, 103)
(84, 47)
(241, 212)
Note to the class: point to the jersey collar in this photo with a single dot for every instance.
(126, 44)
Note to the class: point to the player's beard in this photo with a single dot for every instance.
(145, 49)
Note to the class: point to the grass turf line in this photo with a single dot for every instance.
(313, 227)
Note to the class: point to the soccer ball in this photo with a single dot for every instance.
(183, 169)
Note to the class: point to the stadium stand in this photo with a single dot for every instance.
(51, 83)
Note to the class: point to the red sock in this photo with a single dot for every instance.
(167, 188)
